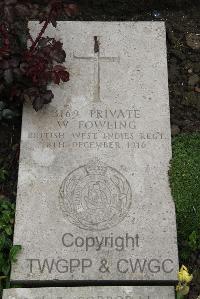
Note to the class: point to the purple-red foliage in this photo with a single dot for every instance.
(25, 73)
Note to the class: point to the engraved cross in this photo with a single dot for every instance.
(97, 59)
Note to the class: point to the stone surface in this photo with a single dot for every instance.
(94, 201)
(92, 293)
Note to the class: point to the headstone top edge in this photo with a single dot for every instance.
(107, 22)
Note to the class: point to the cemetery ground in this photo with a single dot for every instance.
(184, 86)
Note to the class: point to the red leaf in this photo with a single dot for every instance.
(59, 73)
(55, 77)
(65, 76)
(5, 50)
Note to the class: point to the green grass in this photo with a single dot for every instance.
(185, 185)
(8, 252)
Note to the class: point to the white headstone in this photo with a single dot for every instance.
(94, 201)
(92, 293)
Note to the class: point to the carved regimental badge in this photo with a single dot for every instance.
(95, 196)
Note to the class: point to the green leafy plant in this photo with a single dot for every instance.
(196, 279)
(8, 252)
(184, 181)
(193, 241)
